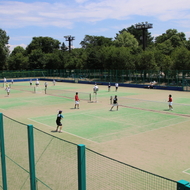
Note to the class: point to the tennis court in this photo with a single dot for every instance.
(143, 133)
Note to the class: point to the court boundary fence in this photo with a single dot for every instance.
(95, 171)
(177, 79)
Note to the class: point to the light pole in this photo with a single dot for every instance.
(70, 39)
(144, 27)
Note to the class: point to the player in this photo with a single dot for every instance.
(115, 103)
(37, 82)
(109, 87)
(5, 81)
(58, 121)
(12, 81)
(45, 84)
(7, 85)
(77, 101)
(53, 82)
(30, 82)
(116, 86)
(8, 90)
(170, 102)
(95, 90)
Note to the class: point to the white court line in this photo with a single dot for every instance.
(63, 131)
(186, 172)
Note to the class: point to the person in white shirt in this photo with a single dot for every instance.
(116, 86)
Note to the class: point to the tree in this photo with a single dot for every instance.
(64, 47)
(176, 38)
(181, 59)
(125, 39)
(4, 51)
(45, 44)
(17, 59)
(165, 47)
(116, 58)
(41, 53)
(36, 59)
(138, 35)
(147, 61)
(94, 41)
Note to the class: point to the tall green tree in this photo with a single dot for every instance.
(173, 36)
(125, 39)
(4, 50)
(147, 61)
(94, 41)
(18, 59)
(138, 35)
(45, 44)
(181, 59)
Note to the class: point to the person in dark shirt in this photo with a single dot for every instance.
(58, 121)
(115, 103)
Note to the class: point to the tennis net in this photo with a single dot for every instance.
(152, 105)
(23, 88)
(68, 94)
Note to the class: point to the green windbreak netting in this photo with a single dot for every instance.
(104, 173)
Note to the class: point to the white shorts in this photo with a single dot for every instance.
(170, 103)
(76, 102)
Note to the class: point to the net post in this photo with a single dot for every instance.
(31, 157)
(81, 167)
(45, 90)
(111, 99)
(3, 160)
(90, 98)
(34, 89)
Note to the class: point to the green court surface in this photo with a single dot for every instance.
(34, 101)
(103, 125)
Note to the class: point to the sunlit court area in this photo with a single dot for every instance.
(143, 135)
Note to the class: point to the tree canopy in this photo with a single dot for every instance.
(170, 50)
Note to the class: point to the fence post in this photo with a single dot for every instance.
(81, 167)
(31, 157)
(3, 161)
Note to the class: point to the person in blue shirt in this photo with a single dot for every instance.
(58, 121)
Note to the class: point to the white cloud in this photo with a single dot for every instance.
(80, 1)
(19, 14)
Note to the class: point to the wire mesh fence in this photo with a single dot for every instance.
(16, 150)
(56, 162)
(162, 78)
(104, 173)
(56, 165)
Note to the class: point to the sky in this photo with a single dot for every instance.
(24, 19)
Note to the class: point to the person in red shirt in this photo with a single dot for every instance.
(77, 100)
(170, 102)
